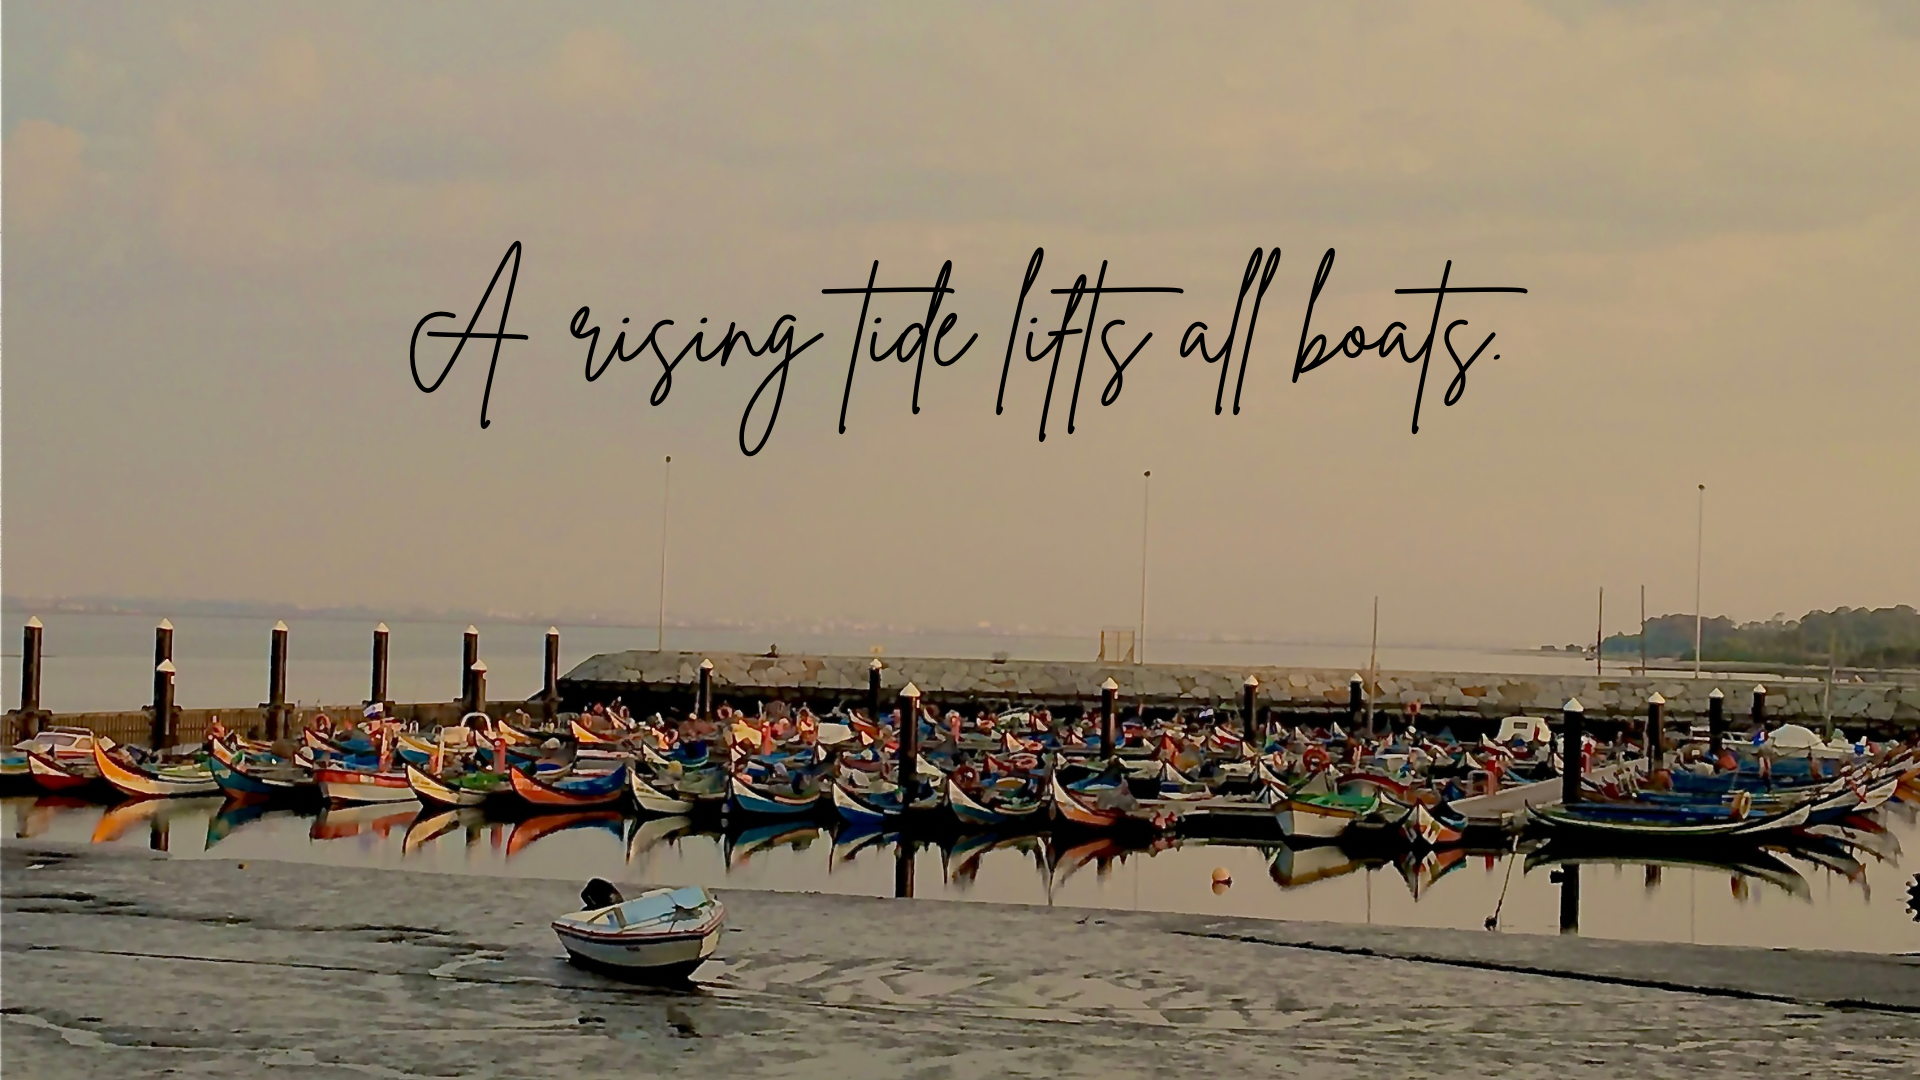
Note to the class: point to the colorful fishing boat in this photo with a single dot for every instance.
(453, 789)
(577, 791)
(140, 781)
(883, 804)
(57, 777)
(1082, 810)
(247, 780)
(1650, 824)
(343, 784)
(750, 798)
(652, 800)
(1424, 828)
(993, 808)
(1322, 817)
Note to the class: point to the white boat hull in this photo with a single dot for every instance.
(1309, 822)
(652, 800)
(641, 957)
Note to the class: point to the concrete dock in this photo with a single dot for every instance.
(644, 677)
(131, 965)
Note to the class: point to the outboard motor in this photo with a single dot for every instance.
(600, 893)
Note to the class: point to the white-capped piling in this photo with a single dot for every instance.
(469, 653)
(382, 639)
(1108, 743)
(276, 703)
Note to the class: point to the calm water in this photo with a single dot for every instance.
(1787, 901)
(103, 662)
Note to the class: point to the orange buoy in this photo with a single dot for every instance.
(1221, 877)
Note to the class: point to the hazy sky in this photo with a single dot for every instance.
(223, 221)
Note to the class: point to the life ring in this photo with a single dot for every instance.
(1742, 805)
(1315, 759)
(965, 777)
(1024, 762)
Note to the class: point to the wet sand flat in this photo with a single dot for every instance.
(122, 964)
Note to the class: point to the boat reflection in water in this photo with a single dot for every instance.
(1715, 896)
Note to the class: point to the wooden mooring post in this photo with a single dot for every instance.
(909, 741)
(1572, 749)
(276, 704)
(30, 652)
(703, 700)
(1654, 739)
(1249, 693)
(1356, 704)
(162, 654)
(477, 687)
(1109, 743)
(163, 673)
(550, 680)
(377, 692)
(873, 690)
(469, 655)
(1716, 721)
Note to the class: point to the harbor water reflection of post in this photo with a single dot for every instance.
(903, 870)
(1569, 879)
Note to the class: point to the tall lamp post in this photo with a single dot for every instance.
(1699, 538)
(666, 503)
(1146, 500)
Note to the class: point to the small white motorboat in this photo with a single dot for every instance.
(662, 935)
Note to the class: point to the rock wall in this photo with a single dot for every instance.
(641, 672)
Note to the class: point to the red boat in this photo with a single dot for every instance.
(66, 775)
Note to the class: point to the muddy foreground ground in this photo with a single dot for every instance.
(132, 965)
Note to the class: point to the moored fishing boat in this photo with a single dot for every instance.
(576, 791)
(350, 785)
(141, 781)
(1074, 808)
(245, 780)
(751, 798)
(662, 934)
(1322, 817)
(884, 803)
(1650, 824)
(1424, 828)
(68, 777)
(652, 800)
(469, 787)
(1006, 810)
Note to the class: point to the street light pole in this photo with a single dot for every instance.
(1699, 539)
(1146, 499)
(666, 503)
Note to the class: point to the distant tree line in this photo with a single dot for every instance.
(1860, 638)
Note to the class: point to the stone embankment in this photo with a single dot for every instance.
(645, 676)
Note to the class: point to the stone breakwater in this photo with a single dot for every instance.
(642, 675)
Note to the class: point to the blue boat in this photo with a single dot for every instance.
(873, 807)
(252, 777)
